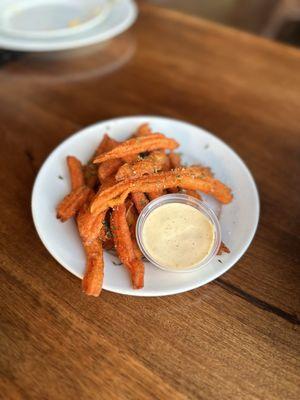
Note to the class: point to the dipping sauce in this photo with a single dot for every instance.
(178, 236)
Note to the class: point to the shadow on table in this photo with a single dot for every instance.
(73, 65)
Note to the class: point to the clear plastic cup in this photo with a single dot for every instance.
(191, 201)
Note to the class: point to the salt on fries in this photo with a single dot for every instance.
(110, 191)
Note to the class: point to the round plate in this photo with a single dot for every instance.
(43, 19)
(121, 16)
(238, 219)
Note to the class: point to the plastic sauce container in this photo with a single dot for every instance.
(178, 233)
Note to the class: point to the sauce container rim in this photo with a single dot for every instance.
(184, 199)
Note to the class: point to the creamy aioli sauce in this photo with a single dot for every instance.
(178, 236)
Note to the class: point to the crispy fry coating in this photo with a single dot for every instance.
(75, 170)
(91, 170)
(187, 178)
(72, 203)
(93, 278)
(156, 141)
(156, 161)
(124, 246)
(108, 168)
(140, 200)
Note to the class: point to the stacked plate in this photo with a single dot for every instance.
(52, 25)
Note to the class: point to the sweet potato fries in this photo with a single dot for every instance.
(110, 191)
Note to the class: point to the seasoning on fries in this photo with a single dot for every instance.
(110, 191)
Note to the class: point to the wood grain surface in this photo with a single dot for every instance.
(235, 338)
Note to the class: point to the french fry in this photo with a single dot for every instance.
(143, 130)
(93, 278)
(156, 161)
(193, 193)
(72, 203)
(89, 225)
(75, 171)
(108, 168)
(91, 170)
(125, 247)
(186, 178)
(156, 141)
(106, 144)
(140, 200)
(131, 218)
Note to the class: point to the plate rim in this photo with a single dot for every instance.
(73, 42)
(158, 293)
(52, 34)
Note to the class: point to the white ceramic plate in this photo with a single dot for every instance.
(121, 16)
(43, 19)
(238, 219)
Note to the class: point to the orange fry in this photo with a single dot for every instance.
(156, 141)
(131, 218)
(140, 200)
(108, 168)
(107, 143)
(143, 130)
(75, 170)
(93, 278)
(89, 225)
(72, 203)
(156, 161)
(186, 178)
(90, 170)
(125, 247)
(193, 193)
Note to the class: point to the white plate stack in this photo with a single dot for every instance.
(52, 25)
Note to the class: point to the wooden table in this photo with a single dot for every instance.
(235, 338)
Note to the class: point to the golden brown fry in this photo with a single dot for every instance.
(93, 278)
(186, 178)
(72, 203)
(156, 141)
(125, 247)
(140, 200)
(155, 162)
(75, 170)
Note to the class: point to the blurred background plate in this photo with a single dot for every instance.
(43, 19)
(121, 15)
